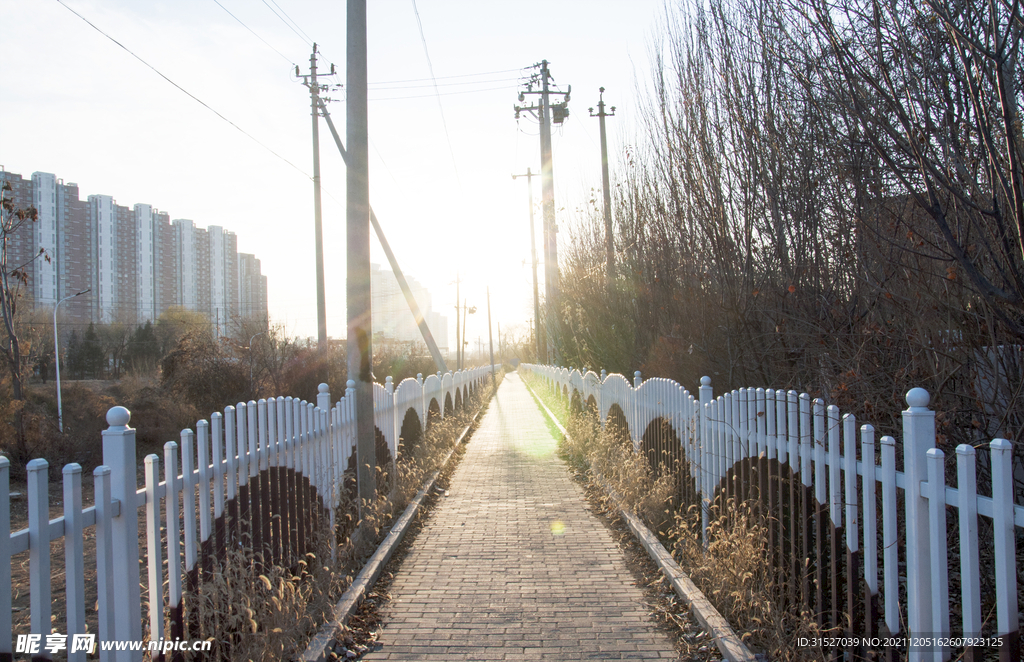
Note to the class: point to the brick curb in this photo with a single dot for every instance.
(318, 648)
(728, 642)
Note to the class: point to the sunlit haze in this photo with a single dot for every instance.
(79, 106)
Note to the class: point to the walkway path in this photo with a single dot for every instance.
(513, 565)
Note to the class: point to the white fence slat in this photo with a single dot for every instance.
(188, 501)
(205, 474)
(104, 557)
(793, 426)
(938, 551)
(835, 489)
(153, 554)
(771, 439)
(242, 447)
(781, 425)
(252, 434)
(231, 453)
(74, 561)
(1002, 524)
(805, 440)
(850, 482)
(39, 545)
(869, 489)
(819, 452)
(217, 444)
(759, 422)
(970, 570)
(173, 525)
(263, 441)
(6, 622)
(890, 553)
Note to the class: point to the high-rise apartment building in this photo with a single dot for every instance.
(137, 262)
(391, 317)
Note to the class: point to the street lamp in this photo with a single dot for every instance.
(254, 336)
(56, 354)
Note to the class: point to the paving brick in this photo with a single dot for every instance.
(512, 564)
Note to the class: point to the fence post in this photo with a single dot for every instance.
(705, 400)
(6, 625)
(1007, 616)
(39, 546)
(635, 412)
(918, 438)
(119, 455)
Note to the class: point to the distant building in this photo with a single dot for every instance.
(137, 261)
(391, 317)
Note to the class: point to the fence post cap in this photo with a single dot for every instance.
(1000, 444)
(323, 388)
(38, 464)
(705, 381)
(102, 470)
(73, 468)
(918, 397)
(118, 417)
(350, 383)
(387, 380)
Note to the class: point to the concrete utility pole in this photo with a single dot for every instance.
(606, 188)
(321, 296)
(547, 112)
(357, 286)
(541, 354)
(458, 338)
(490, 338)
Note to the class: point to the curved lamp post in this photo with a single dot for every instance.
(56, 354)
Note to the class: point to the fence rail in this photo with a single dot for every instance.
(269, 473)
(798, 461)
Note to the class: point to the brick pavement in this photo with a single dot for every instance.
(513, 565)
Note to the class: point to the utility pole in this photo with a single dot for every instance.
(606, 188)
(541, 354)
(357, 286)
(546, 113)
(490, 337)
(458, 338)
(321, 296)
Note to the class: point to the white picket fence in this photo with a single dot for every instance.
(293, 447)
(817, 447)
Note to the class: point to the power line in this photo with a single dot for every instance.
(430, 67)
(192, 96)
(441, 94)
(292, 21)
(286, 58)
(420, 80)
(306, 40)
(435, 85)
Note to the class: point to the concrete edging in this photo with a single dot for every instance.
(728, 642)
(317, 649)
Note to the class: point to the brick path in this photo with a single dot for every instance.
(513, 565)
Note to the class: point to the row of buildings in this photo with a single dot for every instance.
(137, 261)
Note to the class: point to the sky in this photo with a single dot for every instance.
(78, 105)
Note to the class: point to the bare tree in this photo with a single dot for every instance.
(13, 278)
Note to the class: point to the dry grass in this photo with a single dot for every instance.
(733, 572)
(270, 614)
